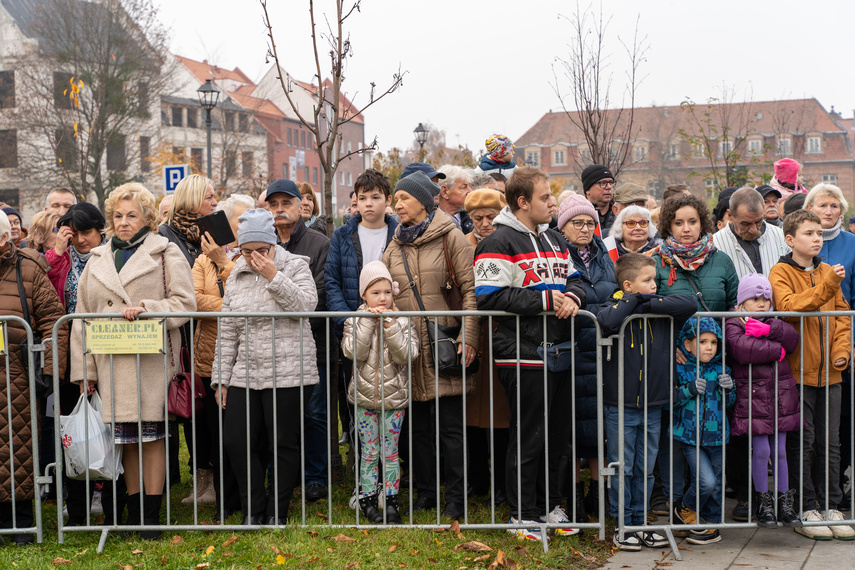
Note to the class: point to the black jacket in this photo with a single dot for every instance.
(190, 251)
(315, 246)
(655, 336)
(516, 270)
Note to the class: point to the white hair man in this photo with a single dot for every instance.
(452, 195)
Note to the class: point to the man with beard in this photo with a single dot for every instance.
(599, 186)
(283, 201)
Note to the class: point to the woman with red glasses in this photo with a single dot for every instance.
(634, 231)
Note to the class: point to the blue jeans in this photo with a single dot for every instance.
(705, 466)
(634, 454)
(316, 432)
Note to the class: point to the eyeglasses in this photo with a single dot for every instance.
(261, 250)
(579, 224)
(632, 223)
(605, 183)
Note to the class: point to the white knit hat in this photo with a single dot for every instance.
(374, 271)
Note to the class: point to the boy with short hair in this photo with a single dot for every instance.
(801, 282)
(647, 353)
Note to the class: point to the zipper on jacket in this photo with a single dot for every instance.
(821, 342)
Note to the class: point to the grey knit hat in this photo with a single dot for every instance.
(420, 187)
(256, 225)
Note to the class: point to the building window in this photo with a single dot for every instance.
(349, 179)
(142, 99)
(314, 175)
(145, 149)
(7, 89)
(699, 150)
(725, 147)
(814, 145)
(178, 151)
(284, 170)
(192, 115)
(116, 153)
(231, 162)
(640, 153)
(558, 157)
(66, 148)
(9, 149)
(674, 151)
(243, 122)
(829, 179)
(709, 183)
(531, 157)
(10, 196)
(230, 121)
(349, 147)
(302, 139)
(784, 147)
(755, 147)
(289, 136)
(177, 117)
(196, 159)
(341, 178)
(61, 85)
(246, 163)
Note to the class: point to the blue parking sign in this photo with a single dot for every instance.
(172, 175)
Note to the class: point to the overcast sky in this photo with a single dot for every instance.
(474, 68)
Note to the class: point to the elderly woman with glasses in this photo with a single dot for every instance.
(634, 231)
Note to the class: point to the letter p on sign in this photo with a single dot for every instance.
(172, 175)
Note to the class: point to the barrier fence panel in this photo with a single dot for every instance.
(794, 439)
(21, 514)
(259, 446)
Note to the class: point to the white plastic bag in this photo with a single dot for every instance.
(105, 458)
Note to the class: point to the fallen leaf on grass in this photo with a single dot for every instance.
(432, 560)
(84, 551)
(275, 550)
(202, 565)
(437, 541)
(343, 538)
(313, 559)
(322, 515)
(127, 567)
(208, 551)
(280, 559)
(455, 528)
(481, 558)
(414, 552)
(177, 539)
(365, 531)
(330, 549)
(163, 560)
(501, 561)
(474, 546)
(401, 565)
(312, 532)
(60, 561)
(136, 551)
(393, 547)
(352, 565)
(440, 529)
(230, 541)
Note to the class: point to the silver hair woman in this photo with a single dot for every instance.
(634, 231)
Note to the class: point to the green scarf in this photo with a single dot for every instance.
(123, 250)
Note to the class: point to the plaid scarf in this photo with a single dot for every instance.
(689, 257)
(409, 234)
(184, 223)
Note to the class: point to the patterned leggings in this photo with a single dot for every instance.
(369, 427)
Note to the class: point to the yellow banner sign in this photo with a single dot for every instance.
(2, 340)
(124, 337)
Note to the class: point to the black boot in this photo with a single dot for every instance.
(581, 503)
(134, 517)
(392, 516)
(786, 513)
(592, 499)
(766, 510)
(370, 510)
(151, 516)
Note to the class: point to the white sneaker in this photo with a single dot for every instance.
(840, 532)
(354, 499)
(559, 516)
(532, 533)
(814, 532)
(652, 539)
(630, 542)
(96, 508)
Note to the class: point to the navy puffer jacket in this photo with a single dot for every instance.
(598, 281)
(344, 263)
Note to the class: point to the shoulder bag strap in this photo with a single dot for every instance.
(25, 310)
(698, 293)
(219, 281)
(412, 282)
(448, 261)
(166, 332)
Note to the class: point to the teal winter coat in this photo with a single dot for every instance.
(716, 279)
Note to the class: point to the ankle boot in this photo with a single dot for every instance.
(392, 516)
(370, 510)
(592, 499)
(134, 517)
(765, 510)
(581, 503)
(151, 516)
(786, 513)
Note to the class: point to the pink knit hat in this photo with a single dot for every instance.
(374, 271)
(787, 170)
(574, 205)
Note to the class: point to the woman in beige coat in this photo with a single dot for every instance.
(138, 271)
(425, 235)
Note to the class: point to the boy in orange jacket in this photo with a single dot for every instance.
(801, 282)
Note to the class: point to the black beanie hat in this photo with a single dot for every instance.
(593, 174)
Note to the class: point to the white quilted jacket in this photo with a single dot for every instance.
(245, 359)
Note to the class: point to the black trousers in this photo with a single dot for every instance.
(236, 424)
(229, 481)
(478, 445)
(69, 394)
(449, 410)
(531, 499)
(23, 514)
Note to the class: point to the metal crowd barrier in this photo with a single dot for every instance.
(245, 322)
(670, 527)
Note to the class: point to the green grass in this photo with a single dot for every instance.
(315, 546)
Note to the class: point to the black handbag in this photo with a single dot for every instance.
(44, 386)
(442, 338)
(558, 357)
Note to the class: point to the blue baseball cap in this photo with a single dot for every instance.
(283, 186)
(421, 167)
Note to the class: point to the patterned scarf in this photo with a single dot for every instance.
(409, 234)
(585, 254)
(78, 263)
(689, 257)
(184, 223)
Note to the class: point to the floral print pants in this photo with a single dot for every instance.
(372, 425)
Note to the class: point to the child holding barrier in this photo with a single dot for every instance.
(703, 390)
(380, 387)
(767, 396)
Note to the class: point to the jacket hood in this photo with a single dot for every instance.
(690, 331)
(788, 259)
(507, 218)
(488, 163)
(30, 254)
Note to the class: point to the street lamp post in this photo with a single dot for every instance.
(421, 133)
(208, 97)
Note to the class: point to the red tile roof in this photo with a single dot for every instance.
(202, 70)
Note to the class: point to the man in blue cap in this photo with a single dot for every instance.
(423, 167)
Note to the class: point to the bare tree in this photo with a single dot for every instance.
(96, 76)
(608, 131)
(329, 112)
(795, 118)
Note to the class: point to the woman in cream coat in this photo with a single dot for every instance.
(137, 271)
